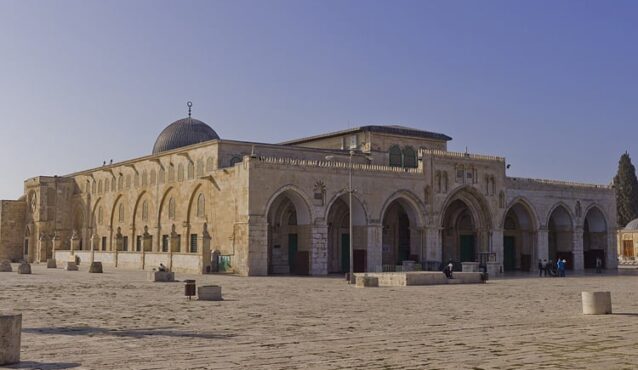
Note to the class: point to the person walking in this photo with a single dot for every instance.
(599, 265)
(545, 267)
(540, 268)
(562, 266)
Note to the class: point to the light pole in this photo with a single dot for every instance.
(350, 190)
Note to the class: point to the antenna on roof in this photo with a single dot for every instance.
(190, 105)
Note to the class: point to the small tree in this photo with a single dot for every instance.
(626, 186)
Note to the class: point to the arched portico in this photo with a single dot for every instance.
(402, 226)
(520, 227)
(338, 220)
(289, 234)
(595, 238)
(560, 227)
(465, 227)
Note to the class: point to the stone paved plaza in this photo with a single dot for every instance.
(117, 320)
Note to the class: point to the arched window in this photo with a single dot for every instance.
(153, 177)
(136, 180)
(180, 172)
(144, 178)
(128, 181)
(200, 167)
(145, 211)
(191, 171)
(106, 185)
(171, 209)
(201, 205)
(121, 213)
(409, 157)
(171, 173)
(210, 164)
(396, 159)
(120, 183)
(100, 187)
(235, 160)
(100, 216)
(162, 176)
(113, 188)
(93, 187)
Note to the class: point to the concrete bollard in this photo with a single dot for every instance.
(71, 266)
(596, 303)
(24, 268)
(51, 263)
(367, 281)
(10, 332)
(5, 266)
(209, 293)
(95, 268)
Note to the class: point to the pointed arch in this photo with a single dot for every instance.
(529, 207)
(476, 202)
(299, 198)
(563, 205)
(360, 211)
(415, 207)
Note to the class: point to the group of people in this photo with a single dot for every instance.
(549, 268)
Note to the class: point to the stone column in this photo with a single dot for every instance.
(10, 333)
(252, 249)
(319, 249)
(612, 252)
(577, 249)
(75, 243)
(56, 244)
(375, 247)
(433, 247)
(542, 246)
(157, 243)
(497, 246)
(204, 251)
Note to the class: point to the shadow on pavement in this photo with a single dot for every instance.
(43, 365)
(131, 333)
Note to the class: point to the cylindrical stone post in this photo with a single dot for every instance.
(596, 303)
(10, 332)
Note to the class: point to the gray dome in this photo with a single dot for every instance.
(183, 132)
(633, 225)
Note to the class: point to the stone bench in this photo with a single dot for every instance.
(366, 281)
(95, 268)
(5, 266)
(160, 276)
(209, 293)
(10, 332)
(24, 268)
(596, 303)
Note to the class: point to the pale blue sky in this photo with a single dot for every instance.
(550, 85)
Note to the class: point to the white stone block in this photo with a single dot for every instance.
(10, 333)
(71, 266)
(209, 293)
(367, 281)
(469, 266)
(160, 276)
(596, 303)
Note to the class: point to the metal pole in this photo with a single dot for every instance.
(352, 280)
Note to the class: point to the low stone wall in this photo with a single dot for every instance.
(62, 256)
(129, 260)
(107, 258)
(186, 263)
(153, 260)
(423, 278)
(85, 257)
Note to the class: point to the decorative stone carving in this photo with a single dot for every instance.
(579, 210)
(319, 191)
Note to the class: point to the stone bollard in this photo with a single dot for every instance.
(596, 303)
(51, 263)
(367, 282)
(209, 293)
(5, 266)
(71, 266)
(24, 268)
(95, 268)
(10, 332)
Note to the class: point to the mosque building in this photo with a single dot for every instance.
(198, 200)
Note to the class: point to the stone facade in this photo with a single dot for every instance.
(284, 208)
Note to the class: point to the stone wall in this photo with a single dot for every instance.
(12, 214)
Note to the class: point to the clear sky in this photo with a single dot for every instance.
(550, 85)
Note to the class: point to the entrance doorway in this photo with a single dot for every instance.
(292, 252)
(467, 248)
(509, 253)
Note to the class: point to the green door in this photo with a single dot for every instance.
(292, 251)
(345, 252)
(467, 248)
(509, 253)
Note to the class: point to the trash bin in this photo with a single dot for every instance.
(189, 288)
